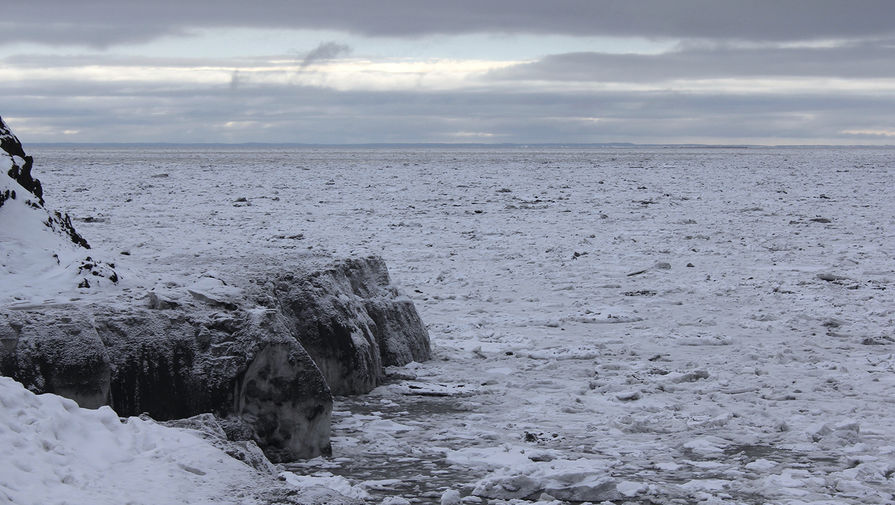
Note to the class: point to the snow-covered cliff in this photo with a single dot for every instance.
(40, 250)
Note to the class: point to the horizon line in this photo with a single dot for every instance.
(459, 145)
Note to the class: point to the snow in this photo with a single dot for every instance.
(38, 262)
(327, 480)
(55, 452)
(659, 325)
(450, 497)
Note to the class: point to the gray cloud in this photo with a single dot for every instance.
(283, 113)
(102, 23)
(43, 29)
(246, 100)
(32, 61)
(850, 61)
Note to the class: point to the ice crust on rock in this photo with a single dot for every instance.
(238, 352)
(176, 365)
(352, 322)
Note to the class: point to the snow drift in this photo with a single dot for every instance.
(57, 452)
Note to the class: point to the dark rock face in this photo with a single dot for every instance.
(61, 353)
(22, 175)
(176, 364)
(13, 147)
(400, 332)
(9, 142)
(284, 398)
(353, 323)
(263, 360)
(335, 330)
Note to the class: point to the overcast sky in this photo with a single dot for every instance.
(517, 71)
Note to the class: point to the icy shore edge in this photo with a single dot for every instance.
(264, 354)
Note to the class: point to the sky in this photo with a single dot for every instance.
(419, 71)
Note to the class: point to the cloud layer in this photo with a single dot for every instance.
(736, 72)
(849, 61)
(107, 22)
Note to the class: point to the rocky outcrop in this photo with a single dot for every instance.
(36, 241)
(264, 357)
(175, 364)
(22, 174)
(262, 348)
(352, 322)
(56, 351)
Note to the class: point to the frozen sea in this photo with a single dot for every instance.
(662, 325)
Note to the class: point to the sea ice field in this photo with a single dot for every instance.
(624, 325)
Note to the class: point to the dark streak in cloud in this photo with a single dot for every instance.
(101, 23)
(325, 51)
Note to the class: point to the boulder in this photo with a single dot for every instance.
(173, 364)
(399, 331)
(352, 322)
(57, 352)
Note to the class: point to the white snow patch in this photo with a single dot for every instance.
(326, 480)
(57, 452)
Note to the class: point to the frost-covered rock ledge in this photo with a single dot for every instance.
(265, 353)
(262, 346)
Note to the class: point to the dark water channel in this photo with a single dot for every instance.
(412, 463)
(405, 466)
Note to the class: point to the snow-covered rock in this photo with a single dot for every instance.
(214, 431)
(57, 351)
(21, 174)
(244, 359)
(174, 364)
(261, 345)
(39, 247)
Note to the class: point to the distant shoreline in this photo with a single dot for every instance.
(620, 145)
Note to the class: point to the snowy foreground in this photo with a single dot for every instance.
(56, 452)
(651, 326)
